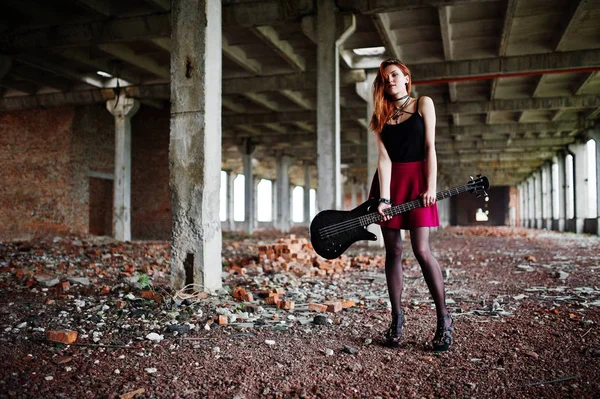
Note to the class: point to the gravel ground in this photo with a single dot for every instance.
(526, 308)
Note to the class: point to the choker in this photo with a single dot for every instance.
(399, 99)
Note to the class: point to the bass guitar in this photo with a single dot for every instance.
(332, 232)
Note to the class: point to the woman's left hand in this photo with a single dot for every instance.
(428, 198)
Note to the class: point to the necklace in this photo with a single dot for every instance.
(399, 113)
(401, 98)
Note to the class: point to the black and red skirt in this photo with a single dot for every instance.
(407, 183)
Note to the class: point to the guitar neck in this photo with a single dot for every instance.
(398, 209)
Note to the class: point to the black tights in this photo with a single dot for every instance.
(432, 273)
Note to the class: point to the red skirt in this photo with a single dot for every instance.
(407, 183)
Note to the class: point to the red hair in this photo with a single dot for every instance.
(383, 108)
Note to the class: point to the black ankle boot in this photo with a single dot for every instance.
(394, 333)
(443, 334)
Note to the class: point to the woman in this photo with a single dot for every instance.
(404, 129)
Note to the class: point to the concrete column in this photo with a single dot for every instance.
(247, 149)
(307, 185)
(595, 134)
(230, 199)
(353, 193)
(283, 193)
(364, 90)
(539, 203)
(329, 38)
(553, 194)
(195, 145)
(123, 109)
(531, 202)
(274, 202)
(363, 192)
(256, 181)
(562, 191)
(521, 204)
(547, 195)
(580, 180)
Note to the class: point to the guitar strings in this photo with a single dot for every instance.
(350, 224)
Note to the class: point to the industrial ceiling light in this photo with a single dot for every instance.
(369, 51)
(104, 74)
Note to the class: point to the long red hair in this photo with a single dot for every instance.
(383, 108)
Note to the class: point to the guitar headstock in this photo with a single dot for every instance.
(478, 185)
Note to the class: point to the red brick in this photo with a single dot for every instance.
(147, 294)
(287, 305)
(348, 303)
(317, 307)
(62, 336)
(334, 307)
(222, 320)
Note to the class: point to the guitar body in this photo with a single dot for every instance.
(332, 245)
(332, 232)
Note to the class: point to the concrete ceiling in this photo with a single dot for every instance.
(513, 81)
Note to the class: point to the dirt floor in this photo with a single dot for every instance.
(526, 308)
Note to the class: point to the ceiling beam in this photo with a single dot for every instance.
(379, 6)
(388, 37)
(571, 14)
(40, 78)
(82, 97)
(163, 5)
(26, 87)
(483, 130)
(99, 64)
(87, 33)
(144, 62)
(58, 70)
(266, 12)
(101, 7)
(584, 82)
(282, 47)
(521, 104)
(299, 99)
(294, 81)
(504, 66)
(240, 58)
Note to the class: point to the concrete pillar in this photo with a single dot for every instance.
(329, 38)
(123, 109)
(307, 185)
(547, 195)
(365, 91)
(274, 203)
(570, 192)
(539, 201)
(283, 193)
(195, 145)
(353, 193)
(595, 134)
(521, 204)
(562, 191)
(553, 194)
(531, 202)
(256, 181)
(580, 181)
(363, 192)
(247, 149)
(230, 199)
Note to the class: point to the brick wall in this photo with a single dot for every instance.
(150, 194)
(36, 192)
(49, 156)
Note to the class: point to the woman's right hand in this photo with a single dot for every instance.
(380, 210)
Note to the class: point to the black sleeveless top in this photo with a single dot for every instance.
(405, 142)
